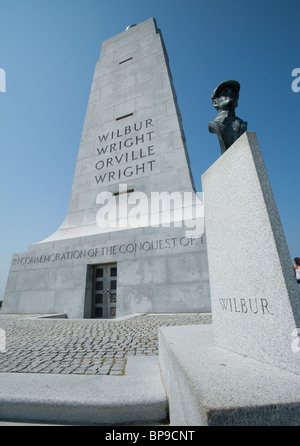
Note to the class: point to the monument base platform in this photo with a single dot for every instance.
(211, 386)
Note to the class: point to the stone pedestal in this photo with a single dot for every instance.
(255, 298)
(211, 386)
(245, 368)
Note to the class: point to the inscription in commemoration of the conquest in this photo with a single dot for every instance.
(111, 250)
(125, 152)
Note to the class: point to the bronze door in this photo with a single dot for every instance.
(105, 291)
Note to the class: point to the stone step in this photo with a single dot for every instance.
(138, 397)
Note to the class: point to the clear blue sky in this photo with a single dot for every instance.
(49, 48)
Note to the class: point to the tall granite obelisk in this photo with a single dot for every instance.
(132, 240)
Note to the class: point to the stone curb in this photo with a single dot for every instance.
(136, 398)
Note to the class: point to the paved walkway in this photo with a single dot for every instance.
(86, 346)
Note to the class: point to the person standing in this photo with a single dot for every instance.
(297, 269)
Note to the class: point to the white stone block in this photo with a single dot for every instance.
(255, 298)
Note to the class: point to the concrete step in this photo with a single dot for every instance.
(137, 397)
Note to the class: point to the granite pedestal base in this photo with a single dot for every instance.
(210, 386)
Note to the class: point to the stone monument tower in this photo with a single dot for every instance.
(133, 238)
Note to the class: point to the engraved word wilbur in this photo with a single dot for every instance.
(254, 306)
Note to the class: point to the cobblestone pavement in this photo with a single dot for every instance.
(85, 346)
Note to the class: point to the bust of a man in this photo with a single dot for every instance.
(227, 126)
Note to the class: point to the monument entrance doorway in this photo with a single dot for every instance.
(104, 291)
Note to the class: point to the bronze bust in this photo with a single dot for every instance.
(227, 125)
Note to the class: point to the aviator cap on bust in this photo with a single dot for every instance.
(232, 84)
